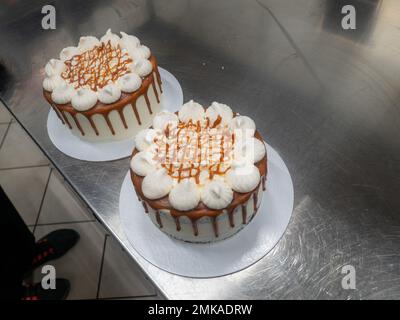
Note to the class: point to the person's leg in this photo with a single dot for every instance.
(17, 248)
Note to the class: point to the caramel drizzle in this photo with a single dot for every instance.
(214, 221)
(178, 224)
(64, 119)
(146, 209)
(110, 126)
(244, 214)
(78, 124)
(146, 97)
(194, 169)
(58, 115)
(97, 67)
(155, 90)
(255, 200)
(93, 125)
(215, 226)
(158, 218)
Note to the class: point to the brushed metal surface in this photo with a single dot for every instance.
(326, 99)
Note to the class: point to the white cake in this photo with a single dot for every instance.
(104, 90)
(200, 174)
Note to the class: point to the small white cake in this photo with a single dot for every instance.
(200, 174)
(104, 90)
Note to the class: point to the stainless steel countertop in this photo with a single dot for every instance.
(325, 98)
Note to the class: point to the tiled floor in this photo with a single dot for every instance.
(97, 266)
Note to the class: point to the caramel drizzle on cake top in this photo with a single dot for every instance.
(148, 82)
(194, 140)
(97, 67)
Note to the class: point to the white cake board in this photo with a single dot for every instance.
(73, 146)
(220, 258)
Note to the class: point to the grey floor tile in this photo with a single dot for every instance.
(25, 188)
(60, 205)
(3, 130)
(120, 276)
(81, 265)
(19, 150)
(5, 116)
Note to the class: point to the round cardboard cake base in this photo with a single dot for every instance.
(219, 258)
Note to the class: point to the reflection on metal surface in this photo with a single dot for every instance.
(328, 102)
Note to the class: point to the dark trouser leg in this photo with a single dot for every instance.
(17, 249)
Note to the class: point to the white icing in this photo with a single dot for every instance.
(129, 82)
(139, 53)
(54, 67)
(112, 37)
(145, 138)
(142, 163)
(250, 148)
(243, 176)
(88, 43)
(109, 94)
(129, 42)
(157, 184)
(163, 118)
(191, 111)
(142, 67)
(185, 195)
(243, 125)
(50, 83)
(217, 195)
(68, 52)
(219, 109)
(84, 99)
(62, 94)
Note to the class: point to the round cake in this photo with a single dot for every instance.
(104, 90)
(200, 173)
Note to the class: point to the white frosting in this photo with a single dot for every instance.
(139, 53)
(145, 138)
(54, 67)
(191, 111)
(157, 184)
(129, 82)
(68, 52)
(50, 83)
(243, 176)
(84, 99)
(163, 118)
(244, 124)
(142, 163)
(129, 42)
(88, 43)
(252, 149)
(217, 195)
(142, 67)
(219, 109)
(112, 37)
(62, 94)
(185, 195)
(109, 94)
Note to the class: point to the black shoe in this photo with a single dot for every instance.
(53, 246)
(36, 292)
